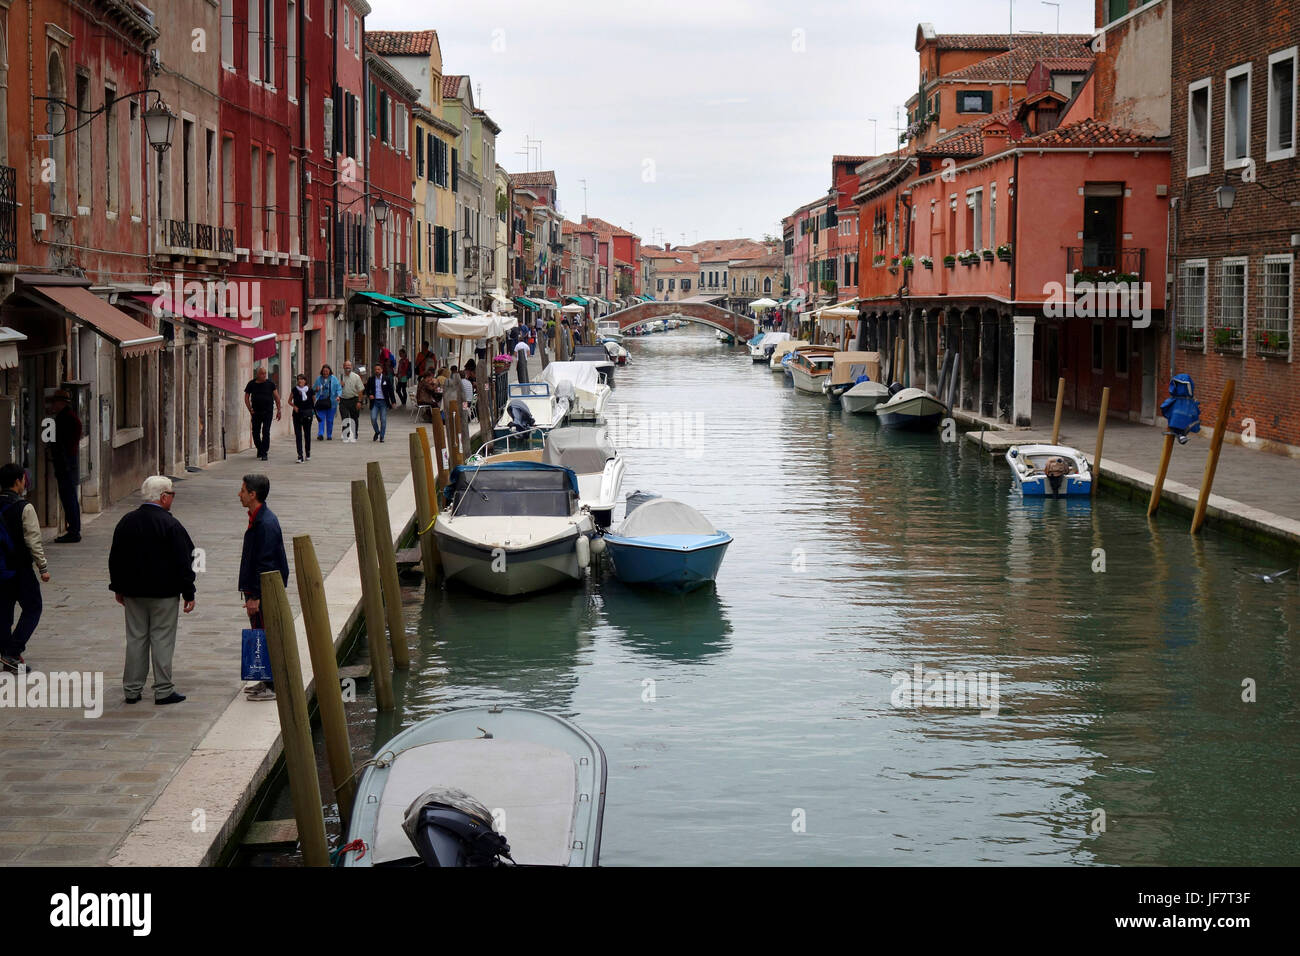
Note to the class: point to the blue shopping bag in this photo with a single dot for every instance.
(256, 659)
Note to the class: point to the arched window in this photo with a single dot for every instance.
(767, 285)
(58, 90)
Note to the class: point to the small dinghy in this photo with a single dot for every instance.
(478, 787)
(1049, 471)
(667, 545)
(911, 408)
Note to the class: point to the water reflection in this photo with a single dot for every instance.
(670, 627)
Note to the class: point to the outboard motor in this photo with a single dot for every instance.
(565, 391)
(450, 828)
(1055, 469)
(521, 419)
(895, 389)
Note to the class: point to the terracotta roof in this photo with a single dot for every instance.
(673, 266)
(1068, 64)
(998, 42)
(451, 85)
(715, 250)
(967, 144)
(654, 252)
(1090, 132)
(850, 159)
(402, 42)
(544, 177)
(1020, 60)
(764, 262)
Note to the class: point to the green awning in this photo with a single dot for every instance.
(528, 303)
(580, 300)
(395, 319)
(402, 304)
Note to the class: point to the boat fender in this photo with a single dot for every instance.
(584, 551)
(598, 546)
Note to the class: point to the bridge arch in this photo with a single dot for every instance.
(741, 327)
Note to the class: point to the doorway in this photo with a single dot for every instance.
(1102, 225)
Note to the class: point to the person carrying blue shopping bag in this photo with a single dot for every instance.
(328, 388)
(263, 551)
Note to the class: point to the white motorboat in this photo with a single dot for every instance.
(531, 407)
(474, 786)
(779, 353)
(759, 345)
(513, 527)
(864, 397)
(580, 381)
(848, 369)
(911, 408)
(1049, 471)
(616, 351)
(597, 356)
(588, 452)
(809, 368)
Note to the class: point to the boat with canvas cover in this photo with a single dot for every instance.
(513, 527)
(809, 367)
(848, 369)
(609, 329)
(782, 349)
(531, 407)
(1049, 471)
(668, 545)
(479, 786)
(761, 345)
(597, 356)
(616, 351)
(912, 409)
(589, 393)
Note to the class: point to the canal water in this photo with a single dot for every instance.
(767, 722)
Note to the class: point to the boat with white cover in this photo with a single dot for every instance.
(513, 527)
(912, 409)
(667, 545)
(597, 356)
(609, 329)
(474, 786)
(760, 344)
(1049, 471)
(531, 406)
(783, 348)
(589, 393)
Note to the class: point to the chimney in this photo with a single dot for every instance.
(668, 247)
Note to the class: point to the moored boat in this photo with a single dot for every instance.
(761, 345)
(911, 408)
(597, 355)
(609, 329)
(809, 367)
(780, 351)
(474, 786)
(580, 381)
(1049, 471)
(532, 408)
(668, 545)
(848, 369)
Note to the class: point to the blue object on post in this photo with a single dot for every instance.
(255, 659)
(1181, 410)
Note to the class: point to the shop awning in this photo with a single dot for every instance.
(467, 309)
(9, 339)
(701, 299)
(403, 305)
(528, 303)
(440, 309)
(472, 327)
(395, 319)
(580, 300)
(79, 304)
(261, 341)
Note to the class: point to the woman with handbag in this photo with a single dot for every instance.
(303, 398)
(327, 388)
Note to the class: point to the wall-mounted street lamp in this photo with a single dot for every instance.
(158, 124)
(1225, 196)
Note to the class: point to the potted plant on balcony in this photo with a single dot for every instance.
(878, 259)
(967, 258)
(500, 363)
(950, 262)
(907, 262)
(1004, 252)
(927, 263)
(987, 254)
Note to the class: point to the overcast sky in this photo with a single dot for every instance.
(708, 118)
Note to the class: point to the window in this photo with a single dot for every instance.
(1276, 300)
(1281, 105)
(1116, 9)
(347, 32)
(975, 219)
(975, 101)
(1199, 113)
(129, 388)
(85, 151)
(272, 239)
(293, 207)
(1190, 328)
(356, 37)
(210, 176)
(419, 153)
(329, 128)
(1121, 350)
(661, 285)
(1098, 348)
(1230, 317)
(1236, 117)
(254, 40)
(228, 208)
(672, 285)
(111, 151)
(255, 200)
(133, 144)
(993, 215)
(227, 34)
(291, 57)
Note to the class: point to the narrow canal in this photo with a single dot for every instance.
(755, 725)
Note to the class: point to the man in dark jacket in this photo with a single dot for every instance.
(151, 569)
(22, 557)
(263, 551)
(64, 450)
(382, 397)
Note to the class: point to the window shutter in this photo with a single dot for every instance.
(419, 153)
(329, 128)
(454, 270)
(455, 173)
(371, 119)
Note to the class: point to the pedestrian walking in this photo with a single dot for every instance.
(303, 398)
(351, 391)
(150, 572)
(261, 397)
(403, 375)
(67, 474)
(327, 400)
(521, 354)
(424, 359)
(380, 396)
(22, 558)
(263, 551)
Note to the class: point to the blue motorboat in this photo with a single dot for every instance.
(668, 545)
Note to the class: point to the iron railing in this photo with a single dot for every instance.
(180, 234)
(226, 241)
(203, 236)
(1103, 261)
(8, 214)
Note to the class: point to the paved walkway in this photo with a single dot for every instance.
(1256, 489)
(72, 788)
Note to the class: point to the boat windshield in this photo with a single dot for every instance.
(489, 492)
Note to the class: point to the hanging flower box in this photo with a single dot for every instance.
(1004, 252)
(950, 262)
(907, 262)
(927, 262)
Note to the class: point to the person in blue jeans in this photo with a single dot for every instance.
(381, 396)
(327, 387)
(24, 559)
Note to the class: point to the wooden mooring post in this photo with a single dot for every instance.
(1212, 460)
(1156, 489)
(1060, 404)
(387, 556)
(442, 458)
(372, 596)
(295, 725)
(324, 665)
(1101, 435)
(424, 513)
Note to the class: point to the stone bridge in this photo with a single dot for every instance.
(741, 327)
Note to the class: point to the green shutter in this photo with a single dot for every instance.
(373, 111)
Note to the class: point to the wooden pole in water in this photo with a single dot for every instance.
(372, 596)
(1212, 460)
(430, 484)
(451, 402)
(324, 665)
(295, 725)
(1163, 470)
(387, 565)
(424, 512)
(485, 411)
(1060, 403)
(442, 457)
(1101, 434)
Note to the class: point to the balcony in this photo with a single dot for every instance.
(1106, 263)
(195, 240)
(8, 214)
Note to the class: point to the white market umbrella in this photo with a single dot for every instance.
(573, 308)
(762, 304)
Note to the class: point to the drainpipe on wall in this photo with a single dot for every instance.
(1171, 306)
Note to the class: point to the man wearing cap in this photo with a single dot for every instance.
(64, 448)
